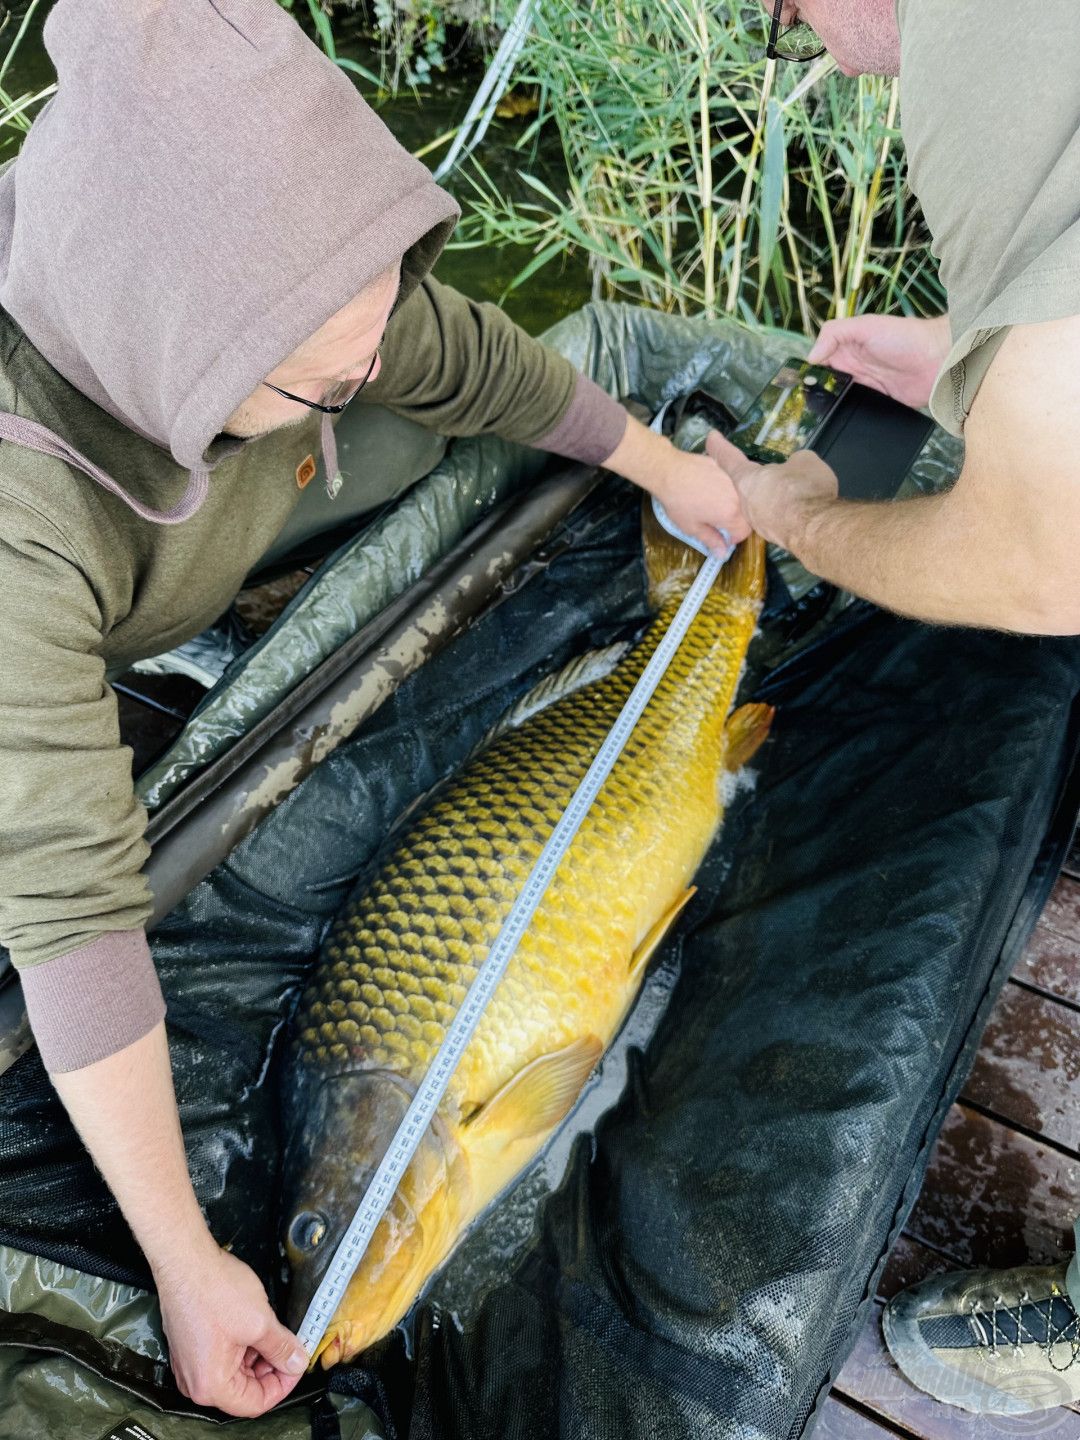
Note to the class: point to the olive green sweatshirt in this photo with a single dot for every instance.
(167, 241)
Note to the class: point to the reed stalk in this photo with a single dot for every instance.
(702, 178)
(15, 109)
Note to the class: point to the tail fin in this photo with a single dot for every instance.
(671, 566)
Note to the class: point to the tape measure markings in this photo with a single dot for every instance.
(421, 1111)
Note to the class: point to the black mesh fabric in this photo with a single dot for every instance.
(703, 1265)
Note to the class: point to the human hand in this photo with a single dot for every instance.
(780, 502)
(226, 1346)
(698, 497)
(701, 499)
(899, 355)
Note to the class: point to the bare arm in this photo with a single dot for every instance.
(226, 1346)
(999, 549)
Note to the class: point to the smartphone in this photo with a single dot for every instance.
(790, 412)
(869, 440)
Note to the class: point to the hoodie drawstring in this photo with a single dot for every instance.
(37, 437)
(329, 455)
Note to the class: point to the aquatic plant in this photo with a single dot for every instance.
(410, 40)
(701, 177)
(324, 30)
(17, 111)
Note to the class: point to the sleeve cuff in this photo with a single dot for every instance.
(94, 1001)
(592, 427)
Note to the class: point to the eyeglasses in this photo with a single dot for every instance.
(336, 398)
(792, 42)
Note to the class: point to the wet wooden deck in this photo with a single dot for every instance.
(1003, 1186)
(154, 708)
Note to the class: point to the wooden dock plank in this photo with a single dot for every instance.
(1028, 1066)
(147, 731)
(1051, 963)
(839, 1421)
(909, 1262)
(260, 606)
(994, 1197)
(1062, 912)
(152, 716)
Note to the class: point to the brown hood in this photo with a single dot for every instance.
(204, 190)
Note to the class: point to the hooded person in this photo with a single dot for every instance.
(204, 214)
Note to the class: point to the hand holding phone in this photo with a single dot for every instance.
(868, 439)
(790, 412)
(899, 355)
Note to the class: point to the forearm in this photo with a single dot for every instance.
(642, 456)
(697, 495)
(124, 1108)
(977, 555)
(997, 550)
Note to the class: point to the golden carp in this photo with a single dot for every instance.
(399, 958)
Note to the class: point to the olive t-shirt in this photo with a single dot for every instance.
(990, 112)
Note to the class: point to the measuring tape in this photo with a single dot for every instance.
(418, 1117)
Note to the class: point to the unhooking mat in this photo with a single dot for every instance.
(694, 1257)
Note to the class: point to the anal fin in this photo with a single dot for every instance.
(746, 731)
(655, 936)
(540, 1094)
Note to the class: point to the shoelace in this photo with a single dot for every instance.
(1067, 1332)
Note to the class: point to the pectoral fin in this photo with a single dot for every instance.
(644, 952)
(538, 1096)
(746, 731)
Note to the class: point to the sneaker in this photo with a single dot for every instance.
(995, 1342)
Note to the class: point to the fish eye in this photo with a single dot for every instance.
(308, 1230)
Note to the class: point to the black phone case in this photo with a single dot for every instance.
(871, 442)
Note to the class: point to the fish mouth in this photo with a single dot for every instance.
(352, 1118)
(332, 1348)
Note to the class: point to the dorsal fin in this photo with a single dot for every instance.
(744, 573)
(582, 670)
(670, 566)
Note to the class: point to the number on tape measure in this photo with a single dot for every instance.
(425, 1102)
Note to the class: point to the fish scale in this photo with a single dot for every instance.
(475, 847)
(399, 960)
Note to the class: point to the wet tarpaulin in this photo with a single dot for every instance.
(633, 353)
(702, 1264)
